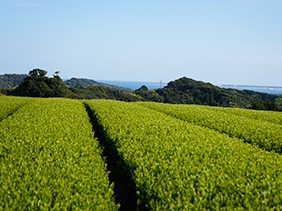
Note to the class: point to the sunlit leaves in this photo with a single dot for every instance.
(9, 105)
(177, 165)
(49, 159)
(250, 127)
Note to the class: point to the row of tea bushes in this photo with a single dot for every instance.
(177, 165)
(264, 134)
(49, 160)
(9, 105)
(270, 116)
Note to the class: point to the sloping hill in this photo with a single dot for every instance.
(11, 80)
(73, 82)
(102, 92)
(181, 91)
(188, 91)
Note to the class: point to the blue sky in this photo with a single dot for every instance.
(217, 41)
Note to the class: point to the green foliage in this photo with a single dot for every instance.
(36, 84)
(177, 165)
(265, 135)
(37, 72)
(269, 116)
(14, 80)
(6, 91)
(74, 82)
(206, 93)
(11, 80)
(49, 159)
(101, 92)
(259, 104)
(142, 88)
(180, 91)
(189, 91)
(9, 105)
(148, 95)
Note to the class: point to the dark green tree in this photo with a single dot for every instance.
(149, 95)
(143, 88)
(258, 104)
(37, 72)
(271, 106)
(37, 84)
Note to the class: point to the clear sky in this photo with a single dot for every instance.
(217, 41)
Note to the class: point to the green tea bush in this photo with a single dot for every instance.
(177, 165)
(9, 105)
(49, 160)
(264, 134)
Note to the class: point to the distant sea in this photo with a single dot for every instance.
(264, 89)
(135, 84)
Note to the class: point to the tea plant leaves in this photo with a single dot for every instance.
(49, 160)
(177, 165)
(264, 134)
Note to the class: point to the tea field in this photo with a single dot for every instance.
(179, 157)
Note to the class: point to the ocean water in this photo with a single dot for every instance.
(263, 89)
(135, 84)
(268, 91)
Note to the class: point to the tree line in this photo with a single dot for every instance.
(180, 91)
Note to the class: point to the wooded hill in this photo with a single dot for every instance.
(37, 84)
(13, 80)
(189, 91)
(180, 91)
(84, 82)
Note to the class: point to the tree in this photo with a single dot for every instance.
(258, 104)
(36, 84)
(56, 75)
(37, 72)
(143, 88)
(271, 106)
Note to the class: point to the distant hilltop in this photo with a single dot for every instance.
(84, 82)
(189, 91)
(181, 91)
(13, 80)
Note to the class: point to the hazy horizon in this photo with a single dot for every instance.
(221, 41)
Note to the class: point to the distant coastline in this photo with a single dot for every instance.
(265, 89)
